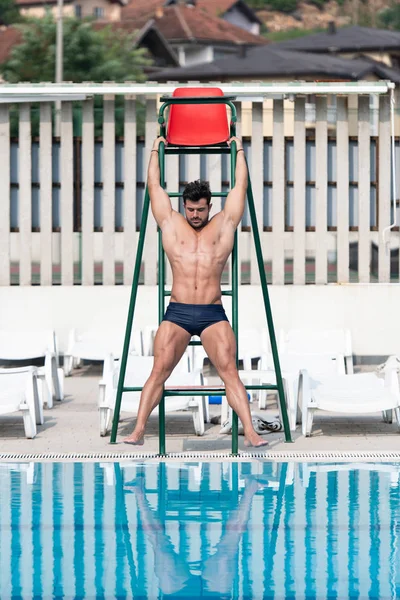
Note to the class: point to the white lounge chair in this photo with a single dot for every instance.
(252, 343)
(31, 345)
(247, 377)
(393, 470)
(19, 393)
(137, 372)
(291, 365)
(197, 354)
(149, 333)
(334, 343)
(363, 393)
(98, 345)
(27, 468)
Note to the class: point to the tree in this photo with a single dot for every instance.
(9, 12)
(390, 18)
(286, 6)
(89, 54)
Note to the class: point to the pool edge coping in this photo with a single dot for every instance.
(284, 456)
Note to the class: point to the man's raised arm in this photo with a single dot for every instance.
(159, 199)
(235, 201)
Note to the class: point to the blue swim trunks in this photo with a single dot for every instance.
(194, 318)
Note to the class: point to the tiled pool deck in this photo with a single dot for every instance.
(72, 426)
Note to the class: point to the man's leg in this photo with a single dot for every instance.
(220, 344)
(169, 345)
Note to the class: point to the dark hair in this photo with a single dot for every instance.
(197, 190)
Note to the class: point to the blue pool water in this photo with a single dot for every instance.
(245, 530)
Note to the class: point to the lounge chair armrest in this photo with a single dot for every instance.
(71, 341)
(102, 393)
(49, 356)
(392, 380)
(108, 366)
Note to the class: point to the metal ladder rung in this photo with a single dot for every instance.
(201, 390)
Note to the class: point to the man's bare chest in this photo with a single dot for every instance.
(198, 244)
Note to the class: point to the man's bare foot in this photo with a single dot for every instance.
(255, 441)
(135, 439)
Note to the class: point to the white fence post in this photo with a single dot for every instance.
(244, 237)
(130, 156)
(278, 195)
(108, 204)
(342, 190)
(25, 195)
(257, 181)
(321, 192)
(87, 192)
(364, 191)
(299, 196)
(151, 244)
(385, 188)
(46, 193)
(66, 196)
(5, 257)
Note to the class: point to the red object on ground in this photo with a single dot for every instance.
(197, 124)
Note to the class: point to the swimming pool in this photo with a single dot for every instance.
(158, 530)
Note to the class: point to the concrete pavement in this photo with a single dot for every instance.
(72, 426)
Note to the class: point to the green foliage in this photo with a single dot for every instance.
(286, 6)
(319, 3)
(390, 18)
(290, 34)
(89, 54)
(9, 12)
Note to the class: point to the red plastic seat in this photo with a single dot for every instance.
(197, 124)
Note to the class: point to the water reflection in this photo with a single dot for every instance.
(217, 571)
(258, 530)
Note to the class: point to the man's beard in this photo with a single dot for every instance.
(197, 224)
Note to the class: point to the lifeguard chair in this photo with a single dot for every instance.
(198, 123)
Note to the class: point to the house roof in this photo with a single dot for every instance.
(22, 3)
(44, 3)
(183, 23)
(270, 61)
(217, 8)
(149, 35)
(140, 10)
(145, 9)
(346, 39)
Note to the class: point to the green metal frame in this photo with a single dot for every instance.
(162, 293)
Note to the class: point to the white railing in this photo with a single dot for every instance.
(321, 194)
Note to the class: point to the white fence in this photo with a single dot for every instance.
(323, 196)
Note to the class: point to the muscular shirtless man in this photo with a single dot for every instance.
(197, 248)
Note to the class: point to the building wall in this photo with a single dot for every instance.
(236, 17)
(383, 57)
(191, 54)
(369, 311)
(112, 12)
(40, 11)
